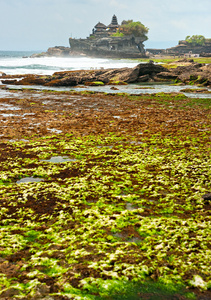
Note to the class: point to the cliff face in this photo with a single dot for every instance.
(122, 47)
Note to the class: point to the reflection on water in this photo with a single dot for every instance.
(142, 88)
(126, 238)
(29, 179)
(59, 159)
(5, 106)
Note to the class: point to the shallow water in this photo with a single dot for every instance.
(5, 106)
(29, 179)
(136, 89)
(54, 130)
(59, 159)
(127, 239)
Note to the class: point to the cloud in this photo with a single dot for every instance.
(40, 24)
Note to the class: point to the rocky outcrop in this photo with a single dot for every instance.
(54, 51)
(71, 78)
(109, 46)
(193, 73)
(58, 51)
(185, 47)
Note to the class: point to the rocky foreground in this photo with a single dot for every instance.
(190, 73)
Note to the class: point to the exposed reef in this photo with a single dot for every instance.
(192, 73)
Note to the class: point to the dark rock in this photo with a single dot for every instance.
(150, 69)
(2, 74)
(33, 80)
(62, 82)
(207, 197)
(8, 81)
(167, 76)
(143, 78)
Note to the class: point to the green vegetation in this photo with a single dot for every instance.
(125, 219)
(171, 60)
(196, 40)
(118, 34)
(134, 28)
(97, 83)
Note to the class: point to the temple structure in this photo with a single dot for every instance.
(103, 43)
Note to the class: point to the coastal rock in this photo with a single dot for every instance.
(143, 78)
(193, 73)
(2, 74)
(166, 76)
(9, 81)
(67, 81)
(58, 51)
(190, 68)
(150, 69)
(33, 80)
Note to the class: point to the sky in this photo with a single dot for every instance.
(40, 24)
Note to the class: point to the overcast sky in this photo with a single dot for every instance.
(40, 24)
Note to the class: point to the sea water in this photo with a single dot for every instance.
(21, 62)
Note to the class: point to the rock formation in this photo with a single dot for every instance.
(184, 48)
(103, 43)
(55, 51)
(193, 73)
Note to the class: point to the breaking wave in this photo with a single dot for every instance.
(13, 63)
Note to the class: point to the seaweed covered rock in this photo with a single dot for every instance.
(207, 197)
(193, 73)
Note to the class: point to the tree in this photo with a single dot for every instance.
(195, 40)
(134, 28)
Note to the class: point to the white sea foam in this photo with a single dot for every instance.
(13, 65)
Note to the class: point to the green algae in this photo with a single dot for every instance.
(75, 226)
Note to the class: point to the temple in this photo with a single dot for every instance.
(102, 42)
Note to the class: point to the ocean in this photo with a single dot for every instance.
(20, 62)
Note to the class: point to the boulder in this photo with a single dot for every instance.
(150, 69)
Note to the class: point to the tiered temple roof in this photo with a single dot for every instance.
(100, 27)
